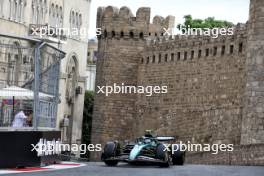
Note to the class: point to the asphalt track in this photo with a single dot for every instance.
(99, 169)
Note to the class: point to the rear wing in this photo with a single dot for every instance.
(165, 138)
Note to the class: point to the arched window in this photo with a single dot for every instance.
(105, 33)
(121, 34)
(50, 14)
(231, 49)
(185, 55)
(75, 23)
(56, 15)
(113, 34)
(73, 19)
(60, 17)
(240, 48)
(1, 8)
(166, 58)
(153, 59)
(76, 20)
(15, 9)
(131, 34)
(200, 53)
(39, 10)
(11, 9)
(21, 9)
(80, 20)
(141, 35)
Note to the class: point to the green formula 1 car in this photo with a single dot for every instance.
(146, 149)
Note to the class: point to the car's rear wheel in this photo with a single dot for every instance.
(110, 151)
(163, 155)
(178, 156)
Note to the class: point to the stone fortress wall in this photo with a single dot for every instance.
(209, 81)
(205, 79)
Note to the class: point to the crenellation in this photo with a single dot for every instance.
(240, 31)
(123, 23)
(196, 43)
(125, 13)
(143, 15)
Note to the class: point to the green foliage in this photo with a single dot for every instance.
(87, 119)
(209, 22)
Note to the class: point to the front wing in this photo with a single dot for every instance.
(138, 159)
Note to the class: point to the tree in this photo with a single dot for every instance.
(209, 22)
(87, 119)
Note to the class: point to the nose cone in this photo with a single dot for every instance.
(135, 151)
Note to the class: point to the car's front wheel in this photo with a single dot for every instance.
(111, 162)
(110, 151)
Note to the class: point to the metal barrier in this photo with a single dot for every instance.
(29, 82)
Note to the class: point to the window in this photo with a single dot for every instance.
(113, 34)
(141, 35)
(207, 52)
(131, 34)
(223, 50)
(172, 56)
(166, 57)
(192, 54)
(179, 56)
(240, 50)
(105, 33)
(52, 15)
(39, 10)
(153, 59)
(231, 49)
(159, 58)
(15, 10)
(25, 60)
(199, 53)
(60, 17)
(122, 34)
(147, 60)
(76, 23)
(185, 55)
(1, 8)
(215, 51)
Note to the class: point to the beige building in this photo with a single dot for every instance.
(15, 19)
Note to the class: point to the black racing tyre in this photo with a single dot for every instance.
(111, 162)
(163, 155)
(110, 151)
(178, 156)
